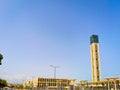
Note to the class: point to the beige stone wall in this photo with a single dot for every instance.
(50, 83)
(95, 62)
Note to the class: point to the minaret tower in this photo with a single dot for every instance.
(95, 58)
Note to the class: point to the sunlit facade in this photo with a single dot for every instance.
(50, 84)
(95, 58)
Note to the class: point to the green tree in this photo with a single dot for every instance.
(1, 57)
(3, 83)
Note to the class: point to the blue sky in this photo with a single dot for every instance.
(38, 33)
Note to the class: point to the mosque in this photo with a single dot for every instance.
(112, 83)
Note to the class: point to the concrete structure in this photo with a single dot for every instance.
(70, 84)
(95, 58)
(50, 84)
(112, 83)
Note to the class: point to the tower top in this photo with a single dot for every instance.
(94, 39)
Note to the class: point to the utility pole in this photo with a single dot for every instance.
(54, 67)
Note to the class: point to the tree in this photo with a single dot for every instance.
(3, 83)
(1, 57)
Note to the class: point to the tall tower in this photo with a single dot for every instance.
(95, 58)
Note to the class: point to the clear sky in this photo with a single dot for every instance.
(35, 34)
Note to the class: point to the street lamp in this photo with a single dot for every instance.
(54, 67)
(1, 57)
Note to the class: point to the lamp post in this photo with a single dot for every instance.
(54, 67)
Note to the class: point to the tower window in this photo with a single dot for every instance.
(95, 46)
(97, 67)
(97, 76)
(96, 50)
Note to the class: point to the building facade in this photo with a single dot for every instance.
(95, 58)
(50, 84)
